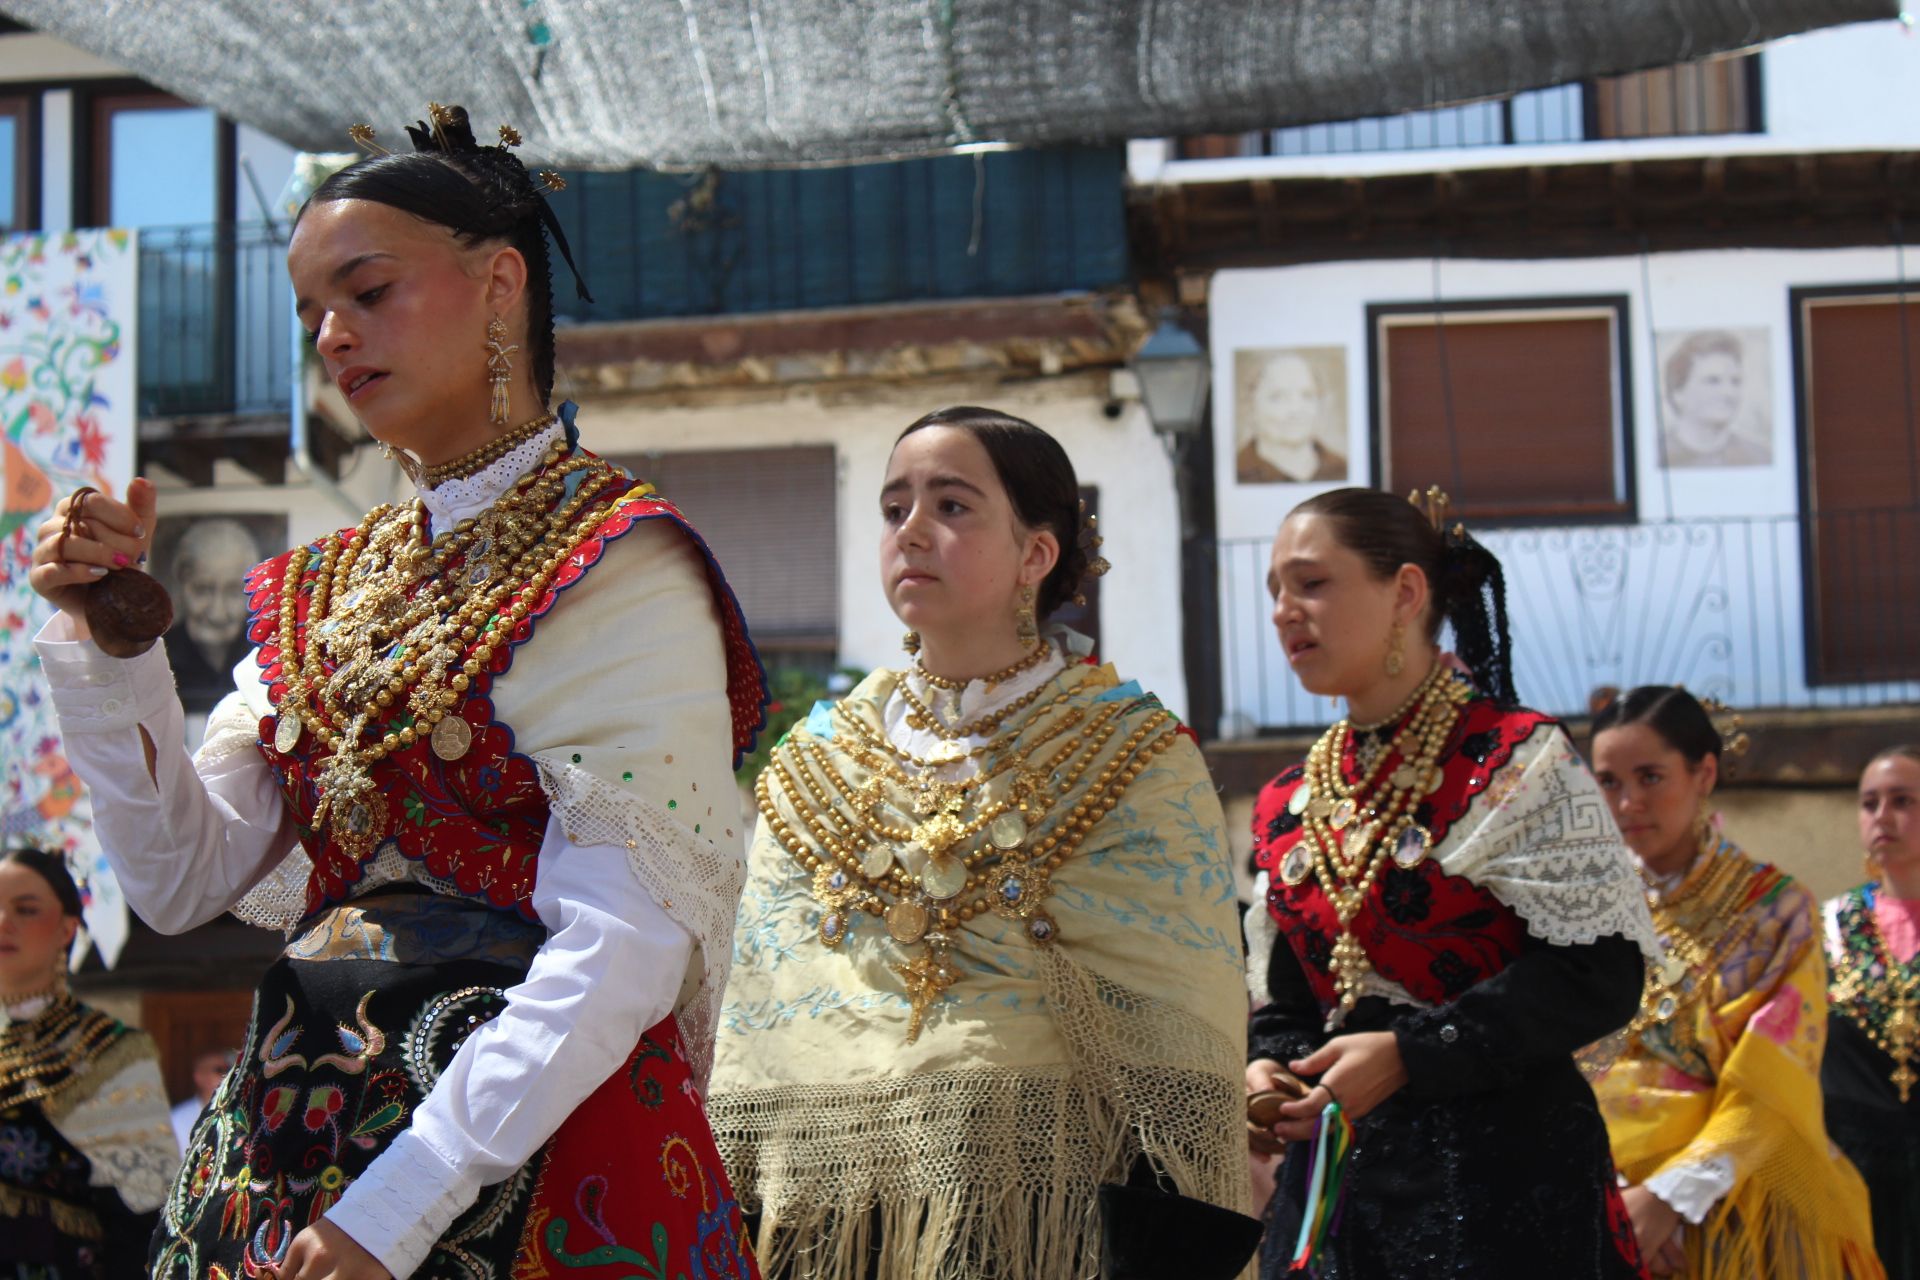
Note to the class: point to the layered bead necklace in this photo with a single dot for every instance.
(39, 1055)
(1351, 830)
(991, 842)
(1880, 995)
(1700, 926)
(393, 612)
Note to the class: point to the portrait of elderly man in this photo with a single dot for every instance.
(202, 565)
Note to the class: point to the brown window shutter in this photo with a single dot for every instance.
(1864, 522)
(1535, 413)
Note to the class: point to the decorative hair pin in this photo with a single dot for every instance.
(1433, 504)
(442, 119)
(362, 136)
(1735, 741)
(1091, 542)
(448, 131)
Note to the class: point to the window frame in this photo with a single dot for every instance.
(1614, 307)
(1800, 299)
(23, 104)
(96, 103)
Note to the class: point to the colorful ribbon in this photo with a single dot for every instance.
(1332, 1140)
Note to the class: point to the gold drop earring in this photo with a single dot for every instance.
(1396, 650)
(911, 642)
(1024, 622)
(499, 368)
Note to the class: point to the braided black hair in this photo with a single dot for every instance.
(1469, 588)
(52, 868)
(1040, 483)
(479, 194)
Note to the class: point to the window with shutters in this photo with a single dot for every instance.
(1857, 366)
(1517, 409)
(769, 517)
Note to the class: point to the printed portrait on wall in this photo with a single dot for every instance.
(1290, 414)
(1716, 394)
(202, 560)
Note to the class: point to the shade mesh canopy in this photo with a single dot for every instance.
(618, 83)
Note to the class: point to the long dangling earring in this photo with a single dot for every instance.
(1396, 650)
(911, 642)
(499, 368)
(1023, 620)
(1870, 868)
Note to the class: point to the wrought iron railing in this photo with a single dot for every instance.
(1762, 612)
(214, 320)
(1716, 96)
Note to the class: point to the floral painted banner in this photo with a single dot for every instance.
(67, 417)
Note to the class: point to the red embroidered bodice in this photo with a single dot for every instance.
(1432, 933)
(478, 822)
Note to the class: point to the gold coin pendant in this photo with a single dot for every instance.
(1008, 831)
(451, 738)
(907, 922)
(944, 877)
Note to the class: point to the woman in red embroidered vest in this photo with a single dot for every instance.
(478, 765)
(1450, 914)
(1871, 1072)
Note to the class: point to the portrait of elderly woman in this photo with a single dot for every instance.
(202, 560)
(1290, 417)
(1716, 389)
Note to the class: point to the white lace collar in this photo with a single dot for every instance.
(458, 500)
(976, 700)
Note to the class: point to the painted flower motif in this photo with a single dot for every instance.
(13, 375)
(24, 1154)
(1779, 1017)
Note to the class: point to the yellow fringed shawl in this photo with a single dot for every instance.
(1736, 1075)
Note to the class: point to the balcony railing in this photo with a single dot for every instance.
(214, 321)
(1694, 99)
(1734, 608)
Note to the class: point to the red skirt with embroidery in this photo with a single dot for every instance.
(344, 1046)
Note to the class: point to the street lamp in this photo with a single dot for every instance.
(1173, 371)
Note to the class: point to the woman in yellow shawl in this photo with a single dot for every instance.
(1713, 1101)
(985, 1020)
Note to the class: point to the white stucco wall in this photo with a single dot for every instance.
(1716, 602)
(1140, 606)
(1325, 305)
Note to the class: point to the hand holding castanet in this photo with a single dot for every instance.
(84, 563)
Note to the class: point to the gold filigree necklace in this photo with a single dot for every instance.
(988, 843)
(393, 613)
(1350, 830)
